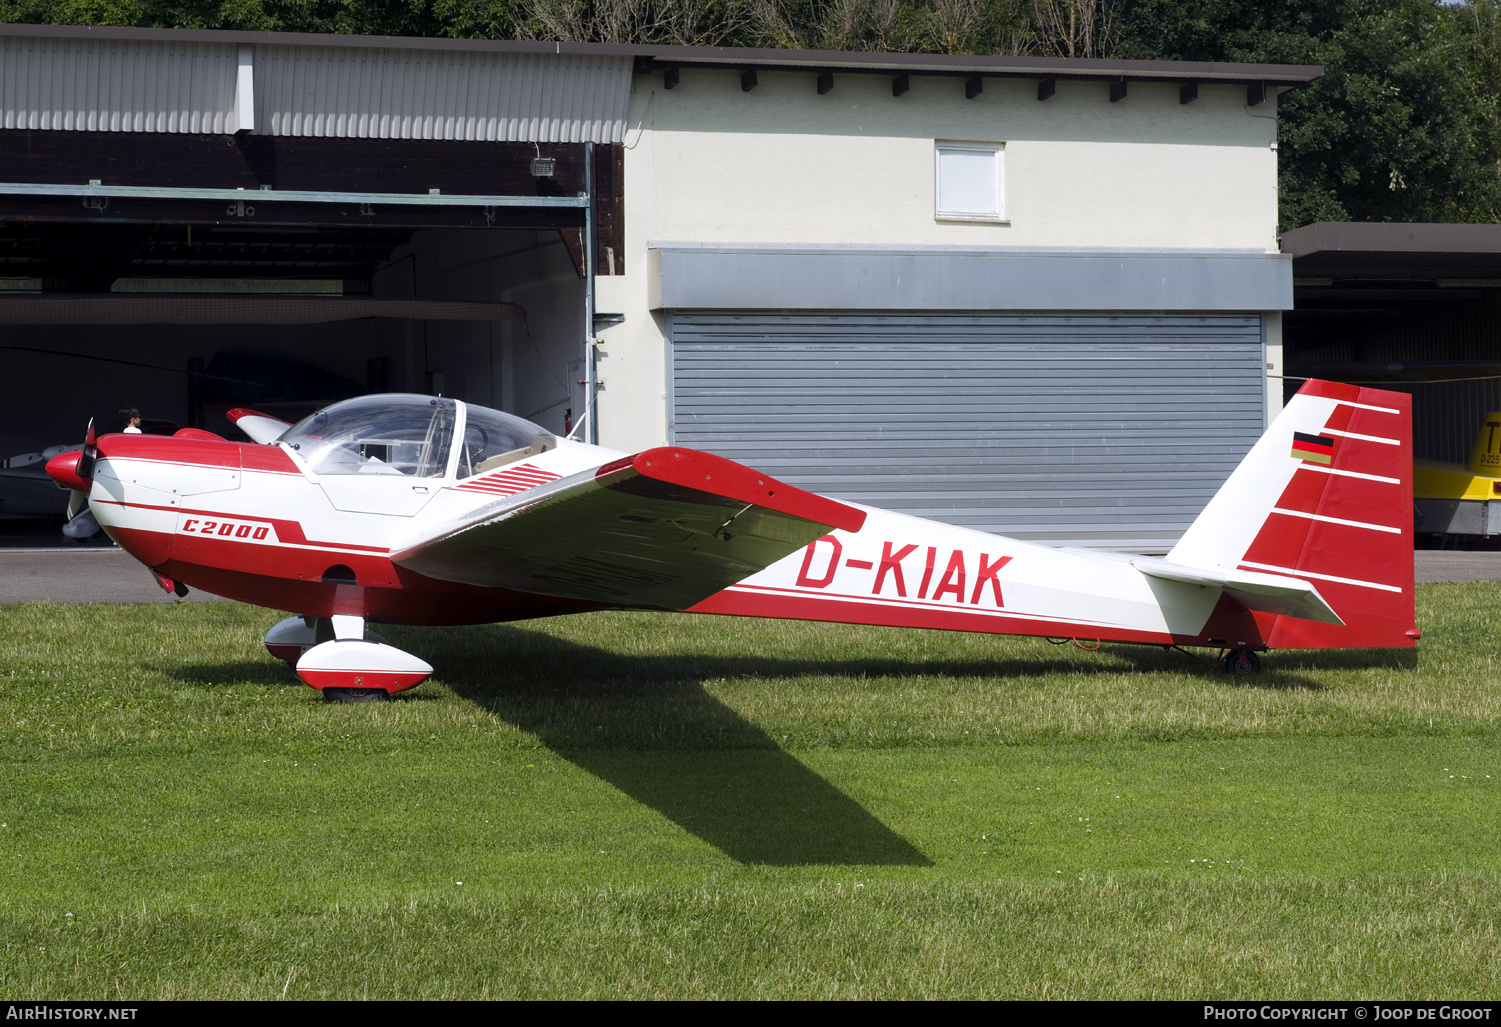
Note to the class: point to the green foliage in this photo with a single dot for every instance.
(1401, 127)
(71, 12)
(482, 19)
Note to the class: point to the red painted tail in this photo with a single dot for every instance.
(1325, 496)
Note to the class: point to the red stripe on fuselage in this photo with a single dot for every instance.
(742, 602)
(291, 579)
(508, 482)
(286, 530)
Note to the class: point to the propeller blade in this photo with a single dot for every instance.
(90, 454)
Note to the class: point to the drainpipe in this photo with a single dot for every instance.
(591, 400)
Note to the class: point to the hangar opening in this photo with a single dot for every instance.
(185, 307)
(1415, 308)
(165, 247)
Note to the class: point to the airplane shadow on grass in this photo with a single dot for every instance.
(646, 726)
(1283, 670)
(250, 672)
(657, 737)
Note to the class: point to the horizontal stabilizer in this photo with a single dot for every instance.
(263, 428)
(1269, 593)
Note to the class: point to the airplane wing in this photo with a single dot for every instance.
(263, 428)
(1270, 593)
(665, 528)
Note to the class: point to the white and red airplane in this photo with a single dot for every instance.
(406, 509)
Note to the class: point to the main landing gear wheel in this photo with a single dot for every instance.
(349, 669)
(354, 695)
(289, 639)
(1242, 661)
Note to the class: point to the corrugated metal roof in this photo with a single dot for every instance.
(390, 93)
(87, 85)
(101, 84)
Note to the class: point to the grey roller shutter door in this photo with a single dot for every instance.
(1100, 431)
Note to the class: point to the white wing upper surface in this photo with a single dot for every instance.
(665, 528)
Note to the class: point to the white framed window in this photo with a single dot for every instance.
(969, 181)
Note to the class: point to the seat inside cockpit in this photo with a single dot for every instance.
(493, 440)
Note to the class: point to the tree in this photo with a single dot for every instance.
(1404, 125)
(1399, 128)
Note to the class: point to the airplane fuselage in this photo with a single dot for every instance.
(249, 522)
(413, 509)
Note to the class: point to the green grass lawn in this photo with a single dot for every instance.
(636, 805)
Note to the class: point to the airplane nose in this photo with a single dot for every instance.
(63, 469)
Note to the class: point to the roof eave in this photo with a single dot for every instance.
(959, 64)
(1282, 75)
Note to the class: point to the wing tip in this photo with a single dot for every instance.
(717, 475)
(254, 428)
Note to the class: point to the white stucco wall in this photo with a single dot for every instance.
(782, 165)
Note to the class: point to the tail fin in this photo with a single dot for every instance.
(1485, 458)
(1325, 496)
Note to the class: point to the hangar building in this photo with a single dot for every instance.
(1411, 307)
(1042, 297)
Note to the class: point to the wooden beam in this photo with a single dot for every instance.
(1046, 88)
(1188, 92)
(670, 78)
(326, 164)
(1117, 90)
(747, 80)
(825, 82)
(573, 240)
(167, 159)
(900, 85)
(1255, 93)
(258, 214)
(972, 87)
(609, 209)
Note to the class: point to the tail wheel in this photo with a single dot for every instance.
(1242, 661)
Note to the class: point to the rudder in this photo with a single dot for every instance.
(1326, 496)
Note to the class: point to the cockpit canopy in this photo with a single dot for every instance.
(493, 439)
(412, 435)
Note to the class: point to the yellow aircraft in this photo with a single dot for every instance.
(1450, 499)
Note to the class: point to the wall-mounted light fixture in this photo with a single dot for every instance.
(543, 167)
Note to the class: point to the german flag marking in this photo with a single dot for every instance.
(1317, 449)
